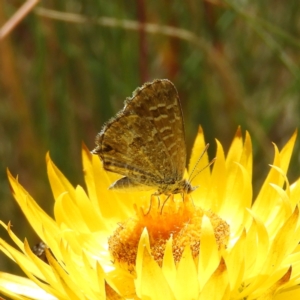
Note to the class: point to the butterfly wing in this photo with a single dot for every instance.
(159, 103)
(145, 142)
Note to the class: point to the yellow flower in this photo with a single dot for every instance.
(211, 244)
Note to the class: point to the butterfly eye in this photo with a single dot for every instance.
(107, 148)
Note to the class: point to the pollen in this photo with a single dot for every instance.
(179, 219)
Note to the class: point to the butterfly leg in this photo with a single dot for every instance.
(151, 202)
(162, 207)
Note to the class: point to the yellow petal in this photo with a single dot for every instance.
(235, 150)
(59, 183)
(37, 218)
(186, 289)
(97, 182)
(209, 258)
(267, 196)
(217, 287)
(168, 266)
(294, 193)
(12, 286)
(153, 282)
(203, 178)
(216, 194)
(235, 262)
(286, 153)
(285, 241)
(292, 294)
(268, 294)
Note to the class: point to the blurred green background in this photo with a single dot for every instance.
(69, 65)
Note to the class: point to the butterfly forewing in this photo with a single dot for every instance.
(158, 102)
(145, 142)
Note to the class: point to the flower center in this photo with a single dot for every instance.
(177, 218)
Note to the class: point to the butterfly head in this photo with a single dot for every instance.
(179, 187)
(184, 186)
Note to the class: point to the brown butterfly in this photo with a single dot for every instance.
(145, 142)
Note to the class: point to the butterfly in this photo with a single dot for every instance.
(145, 141)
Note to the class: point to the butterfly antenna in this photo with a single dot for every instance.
(196, 164)
(191, 178)
(209, 164)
